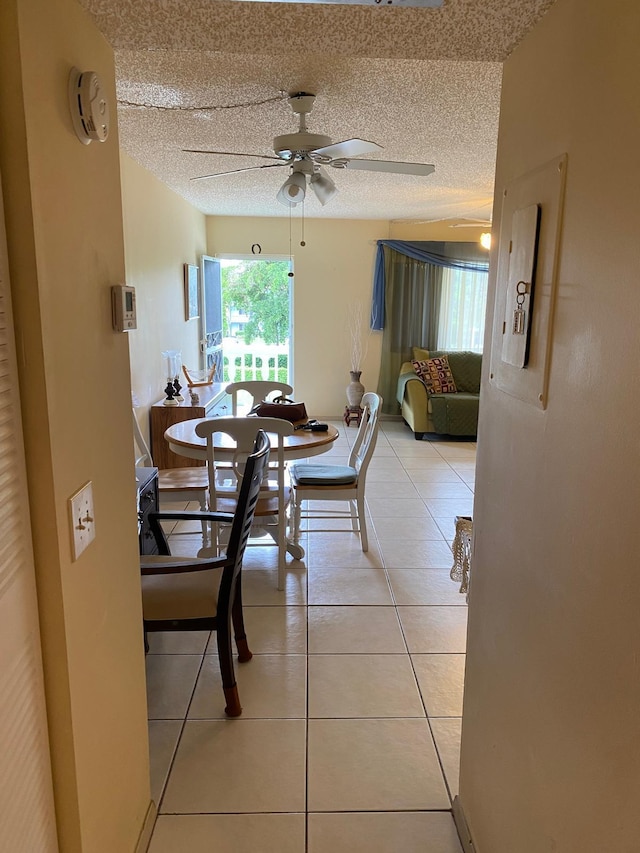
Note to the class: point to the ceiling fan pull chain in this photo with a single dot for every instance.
(290, 245)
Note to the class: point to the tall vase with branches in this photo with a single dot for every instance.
(359, 334)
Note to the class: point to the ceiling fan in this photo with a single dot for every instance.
(306, 153)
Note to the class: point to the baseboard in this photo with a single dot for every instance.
(460, 821)
(340, 417)
(147, 828)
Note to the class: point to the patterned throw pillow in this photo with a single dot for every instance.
(436, 375)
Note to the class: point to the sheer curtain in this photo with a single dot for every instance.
(462, 310)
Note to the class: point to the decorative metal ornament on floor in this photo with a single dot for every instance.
(461, 549)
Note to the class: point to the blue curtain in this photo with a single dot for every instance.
(461, 256)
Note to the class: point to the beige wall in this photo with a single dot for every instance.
(444, 230)
(550, 756)
(161, 233)
(64, 229)
(333, 270)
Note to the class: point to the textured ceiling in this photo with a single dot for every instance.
(423, 83)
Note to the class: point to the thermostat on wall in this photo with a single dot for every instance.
(123, 307)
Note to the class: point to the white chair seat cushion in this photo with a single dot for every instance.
(181, 595)
(308, 474)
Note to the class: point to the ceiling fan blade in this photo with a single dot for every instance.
(386, 166)
(348, 148)
(234, 171)
(477, 223)
(229, 153)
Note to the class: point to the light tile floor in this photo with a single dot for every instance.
(350, 733)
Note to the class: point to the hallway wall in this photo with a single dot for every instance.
(551, 726)
(64, 232)
(162, 232)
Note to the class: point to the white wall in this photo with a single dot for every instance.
(550, 755)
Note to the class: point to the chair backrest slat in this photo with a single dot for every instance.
(255, 469)
(258, 389)
(143, 454)
(365, 442)
(242, 431)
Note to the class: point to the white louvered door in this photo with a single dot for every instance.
(27, 819)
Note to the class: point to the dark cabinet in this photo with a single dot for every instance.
(147, 502)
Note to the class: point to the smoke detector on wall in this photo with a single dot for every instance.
(89, 106)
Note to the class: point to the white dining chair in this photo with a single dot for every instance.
(174, 484)
(322, 482)
(258, 390)
(225, 479)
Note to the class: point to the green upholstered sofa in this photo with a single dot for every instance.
(445, 414)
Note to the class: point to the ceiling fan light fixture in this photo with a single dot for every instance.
(293, 190)
(323, 187)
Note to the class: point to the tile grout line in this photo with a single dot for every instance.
(406, 653)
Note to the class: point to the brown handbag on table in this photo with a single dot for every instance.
(281, 407)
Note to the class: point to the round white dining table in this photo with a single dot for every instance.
(302, 443)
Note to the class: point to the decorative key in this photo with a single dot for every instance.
(519, 315)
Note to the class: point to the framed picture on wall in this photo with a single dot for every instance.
(191, 292)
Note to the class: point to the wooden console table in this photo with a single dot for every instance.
(213, 402)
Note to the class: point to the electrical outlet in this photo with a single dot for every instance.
(82, 519)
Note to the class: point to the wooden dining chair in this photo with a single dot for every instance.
(225, 479)
(205, 594)
(318, 482)
(258, 390)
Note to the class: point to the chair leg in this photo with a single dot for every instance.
(364, 540)
(282, 547)
(233, 707)
(297, 505)
(244, 652)
(204, 524)
(354, 516)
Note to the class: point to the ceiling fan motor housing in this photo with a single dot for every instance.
(301, 102)
(299, 143)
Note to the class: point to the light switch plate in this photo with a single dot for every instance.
(82, 519)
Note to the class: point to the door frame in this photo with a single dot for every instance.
(239, 256)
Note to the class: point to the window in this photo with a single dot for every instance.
(462, 310)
